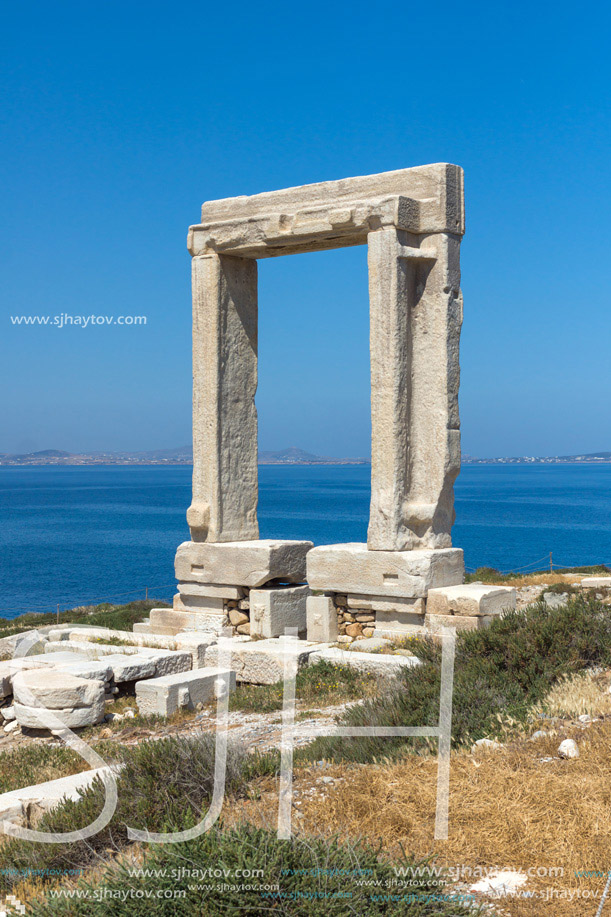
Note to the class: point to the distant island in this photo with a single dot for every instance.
(290, 456)
(181, 456)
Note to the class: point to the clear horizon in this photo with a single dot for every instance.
(119, 121)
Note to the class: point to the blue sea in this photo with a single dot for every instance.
(82, 535)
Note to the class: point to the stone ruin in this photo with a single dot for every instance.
(412, 221)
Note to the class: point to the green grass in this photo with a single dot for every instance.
(500, 673)
(304, 877)
(322, 684)
(116, 617)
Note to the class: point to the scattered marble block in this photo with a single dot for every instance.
(596, 582)
(376, 663)
(56, 690)
(260, 662)
(274, 610)
(435, 623)
(470, 599)
(321, 616)
(48, 795)
(196, 644)
(11, 667)
(142, 627)
(167, 662)
(242, 563)
(164, 696)
(352, 568)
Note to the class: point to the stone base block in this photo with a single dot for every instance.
(435, 623)
(242, 563)
(352, 568)
(207, 591)
(273, 610)
(142, 627)
(470, 599)
(176, 621)
(321, 619)
(385, 603)
(198, 604)
(261, 662)
(396, 625)
(164, 696)
(74, 718)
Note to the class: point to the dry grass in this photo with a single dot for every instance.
(507, 809)
(574, 695)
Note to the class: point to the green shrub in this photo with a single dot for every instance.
(304, 877)
(163, 783)
(500, 672)
(117, 617)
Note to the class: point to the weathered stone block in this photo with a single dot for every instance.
(164, 696)
(131, 668)
(212, 591)
(242, 563)
(321, 619)
(196, 644)
(470, 599)
(168, 662)
(377, 663)
(72, 717)
(274, 610)
(398, 624)
(178, 621)
(260, 662)
(351, 568)
(435, 623)
(596, 582)
(386, 603)
(198, 604)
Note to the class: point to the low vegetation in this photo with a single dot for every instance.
(320, 685)
(117, 617)
(305, 877)
(536, 578)
(500, 673)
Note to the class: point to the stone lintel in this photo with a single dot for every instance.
(352, 568)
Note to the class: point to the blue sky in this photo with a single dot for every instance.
(119, 119)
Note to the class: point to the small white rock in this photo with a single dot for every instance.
(485, 743)
(539, 734)
(585, 718)
(10, 727)
(568, 749)
(129, 713)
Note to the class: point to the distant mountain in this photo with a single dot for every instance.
(179, 456)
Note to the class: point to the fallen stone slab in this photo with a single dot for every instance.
(97, 670)
(56, 690)
(352, 568)
(242, 563)
(375, 663)
(470, 599)
(196, 644)
(596, 582)
(130, 668)
(260, 662)
(48, 795)
(164, 696)
(370, 645)
(25, 644)
(273, 610)
(167, 662)
(72, 717)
